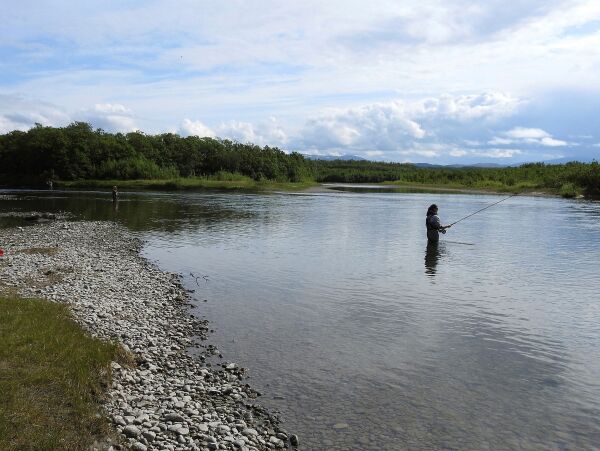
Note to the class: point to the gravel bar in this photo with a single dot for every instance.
(169, 400)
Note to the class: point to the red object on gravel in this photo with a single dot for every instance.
(1, 252)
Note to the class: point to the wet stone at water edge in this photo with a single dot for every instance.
(169, 400)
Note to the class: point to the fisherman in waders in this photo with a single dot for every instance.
(115, 194)
(433, 224)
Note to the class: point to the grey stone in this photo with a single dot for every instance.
(149, 435)
(294, 440)
(116, 294)
(118, 419)
(175, 417)
(131, 431)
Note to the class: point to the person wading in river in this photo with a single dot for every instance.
(115, 194)
(432, 222)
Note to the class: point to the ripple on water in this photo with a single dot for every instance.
(337, 306)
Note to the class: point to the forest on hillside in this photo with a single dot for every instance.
(78, 152)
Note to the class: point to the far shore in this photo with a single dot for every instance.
(425, 188)
(265, 186)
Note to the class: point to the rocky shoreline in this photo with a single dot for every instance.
(168, 400)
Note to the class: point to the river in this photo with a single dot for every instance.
(364, 337)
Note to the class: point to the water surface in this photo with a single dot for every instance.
(365, 337)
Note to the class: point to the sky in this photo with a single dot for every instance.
(435, 81)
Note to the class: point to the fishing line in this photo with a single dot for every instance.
(484, 208)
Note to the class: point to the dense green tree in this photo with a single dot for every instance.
(79, 152)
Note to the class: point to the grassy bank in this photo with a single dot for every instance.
(568, 180)
(52, 375)
(249, 185)
(240, 183)
(488, 186)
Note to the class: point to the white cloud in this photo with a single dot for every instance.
(109, 117)
(427, 153)
(500, 141)
(381, 125)
(457, 153)
(296, 50)
(238, 131)
(7, 125)
(195, 128)
(264, 133)
(535, 136)
(497, 153)
(394, 125)
(551, 142)
(22, 113)
(110, 108)
(527, 133)
(467, 107)
(220, 69)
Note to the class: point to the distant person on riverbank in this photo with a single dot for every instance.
(433, 224)
(50, 185)
(115, 194)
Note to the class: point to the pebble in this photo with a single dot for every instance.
(170, 400)
(294, 440)
(149, 435)
(131, 431)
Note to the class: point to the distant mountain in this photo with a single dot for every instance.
(427, 165)
(475, 165)
(486, 165)
(334, 157)
(569, 159)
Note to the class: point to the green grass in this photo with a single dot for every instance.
(52, 377)
(218, 182)
(235, 182)
(569, 190)
(488, 185)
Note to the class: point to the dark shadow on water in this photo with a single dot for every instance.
(433, 253)
(140, 212)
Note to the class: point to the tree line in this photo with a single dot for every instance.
(568, 179)
(78, 152)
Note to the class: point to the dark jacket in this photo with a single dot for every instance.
(432, 222)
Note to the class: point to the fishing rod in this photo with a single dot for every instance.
(484, 208)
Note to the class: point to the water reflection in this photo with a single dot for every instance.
(433, 252)
(140, 212)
